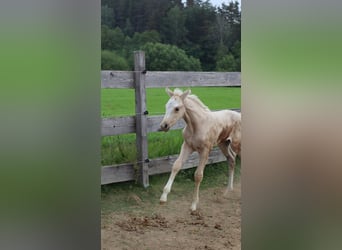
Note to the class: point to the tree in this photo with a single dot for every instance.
(229, 30)
(229, 61)
(155, 11)
(231, 16)
(236, 51)
(112, 39)
(139, 39)
(107, 16)
(173, 29)
(111, 61)
(189, 3)
(201, 37)
(169, 57)
(226, 63)
(222, 51)
(149, 36)
(200, 29)
(128, 30)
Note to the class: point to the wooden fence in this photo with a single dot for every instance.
(142, 123)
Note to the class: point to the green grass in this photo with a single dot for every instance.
(120, 102)
(121, 148)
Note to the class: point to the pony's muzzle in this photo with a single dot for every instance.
(164, 127)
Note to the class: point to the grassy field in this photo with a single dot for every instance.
(120, 102)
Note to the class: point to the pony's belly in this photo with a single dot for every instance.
(199, 144)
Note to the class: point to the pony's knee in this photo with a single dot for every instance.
(198, 177)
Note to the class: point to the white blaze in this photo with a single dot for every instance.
(170, 105)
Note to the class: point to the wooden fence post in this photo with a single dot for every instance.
(141, 117)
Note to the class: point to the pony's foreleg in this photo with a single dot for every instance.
(198, 177)
(183, 156)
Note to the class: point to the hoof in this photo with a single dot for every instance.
(162, 202)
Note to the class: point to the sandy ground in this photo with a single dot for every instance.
(216, 224)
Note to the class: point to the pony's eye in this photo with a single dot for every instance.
(177, 109)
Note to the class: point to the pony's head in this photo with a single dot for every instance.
(175, 108)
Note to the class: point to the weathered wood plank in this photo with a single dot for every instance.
(125, 172)
(118, 125)
(117, 173)
(141, 117)
(117, 79)
(162, 79)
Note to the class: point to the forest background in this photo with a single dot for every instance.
(190, 36)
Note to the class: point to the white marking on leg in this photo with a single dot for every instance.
(193, 206)
(231, 163)
(168, 186)
(166, 191)
(198, 179)
(231, 177)
(231, 153)
(183, 156)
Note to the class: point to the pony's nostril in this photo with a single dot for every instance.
(165, 125)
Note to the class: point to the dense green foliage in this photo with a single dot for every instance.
(202, 36)
(110, 60)
(168, 57)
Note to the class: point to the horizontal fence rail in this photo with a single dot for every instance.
(140, 79)
(159, 79)
(127, 171)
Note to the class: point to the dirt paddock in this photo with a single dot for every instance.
(216, 224)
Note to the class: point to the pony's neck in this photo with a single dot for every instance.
(194, 114)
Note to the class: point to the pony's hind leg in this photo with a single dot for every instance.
(183, 156)
(231, 156)
(231, 163)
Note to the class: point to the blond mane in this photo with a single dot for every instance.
(194, 98)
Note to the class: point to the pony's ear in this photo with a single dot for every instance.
(169, 92)
(185, 94)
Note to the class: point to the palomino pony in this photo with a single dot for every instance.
(203, 130)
